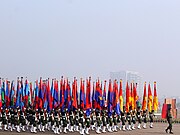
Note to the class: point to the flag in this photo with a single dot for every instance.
(45, 94)
(26, 92)
(0, 93)
(121, 96)
(144, 103)
(30, 95)
(40, 95)
(55, 96)
(69, 97)
(3, 93)
(61, 93)
(132, 96)
(150, 99)
(110, 99)
(12, 93)
(116, 99)
(18, 93)
(127, 97)
(88, 97)
(49, 96)
(93, 97)
(7, 94)
(135, 95)
(98, 95)
(74, 95)
(22, 94)
(36, 105)
(104, 101)
(155, 100)
(82, 94)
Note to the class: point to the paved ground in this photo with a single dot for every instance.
(159, 129)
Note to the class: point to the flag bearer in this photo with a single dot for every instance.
(88, 123)
(56, 122)
(151, 116)
(81, 122)
(133, 119)
(123, 118)
(76, 121)
(129, 120)
(115, 121)
(104, 121)
(93, 119)
(98, 118)
(22, 120)
(16, 119)
(1, 119)
(64, 120)
(139, 117)
(71, 120)
(145, 119)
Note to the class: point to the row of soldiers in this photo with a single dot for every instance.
(76, 120)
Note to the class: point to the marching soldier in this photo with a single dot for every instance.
(1, 119)
(22, 120)
(133, 119)
(119, 121)
(151, 116)
(104, 121)
(30, 117)
(27, 114)
(81, 122)
(34, 120)
(46, 117)
(129, 120)
(115, 121)
(93, 119)
(145, 119)
(56, 121)
(76, 121)
(71, 120)
(4, 119)
(98, 118)
(139, 117)
(8, 118)
(110, 121)
(123, 118)
(87, 120)
(51, 121)
(16, 119)
(64, 121)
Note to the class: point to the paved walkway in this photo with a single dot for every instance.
(159, 129)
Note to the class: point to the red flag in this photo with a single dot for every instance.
(127, 97)
(144, 103)
(135, 95)
(121, 96)
(88, 94)
(74, 94)
(150, 99)
(155, 100)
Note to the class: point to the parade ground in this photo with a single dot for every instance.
(159, 129)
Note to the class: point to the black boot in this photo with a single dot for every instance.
(166, 130)
(171, 132)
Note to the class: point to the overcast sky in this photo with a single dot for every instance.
(80, 38)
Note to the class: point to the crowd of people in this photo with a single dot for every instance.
(74, 120)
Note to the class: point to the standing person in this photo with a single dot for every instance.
(169, 119)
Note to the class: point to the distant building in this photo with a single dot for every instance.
(129, 76)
